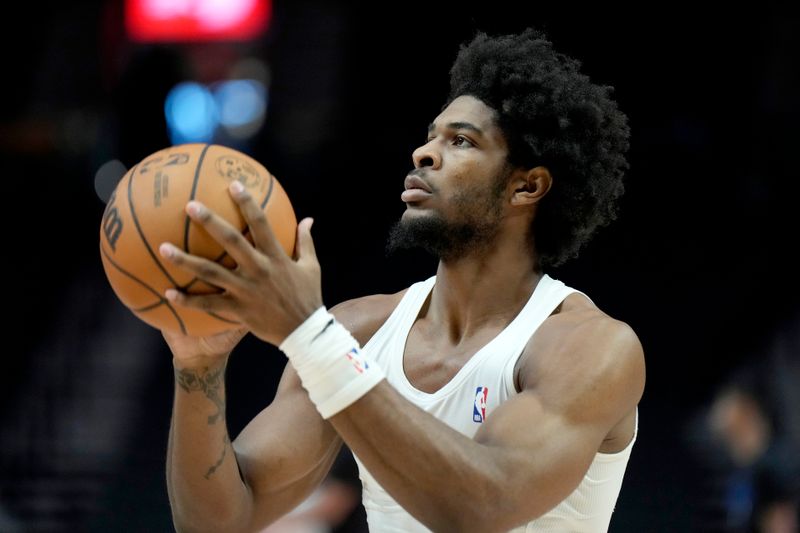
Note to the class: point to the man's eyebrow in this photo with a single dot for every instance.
(458, 126)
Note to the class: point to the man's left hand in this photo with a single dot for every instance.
(268, 291)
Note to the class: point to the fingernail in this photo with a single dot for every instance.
(237, 187)
(166, 250)
(171, 294)
(194, 208)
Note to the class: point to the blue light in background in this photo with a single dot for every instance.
(232, 109)
(191, 113)
(240, 102)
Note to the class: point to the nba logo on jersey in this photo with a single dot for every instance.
(479, 409)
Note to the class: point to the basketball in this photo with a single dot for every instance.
(148, 208)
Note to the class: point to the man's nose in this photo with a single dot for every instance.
(427, 156)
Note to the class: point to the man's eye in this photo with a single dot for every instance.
(459, 140)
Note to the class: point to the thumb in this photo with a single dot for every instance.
(305, 244)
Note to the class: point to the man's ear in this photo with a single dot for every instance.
(530, 186)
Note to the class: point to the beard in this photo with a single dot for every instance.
(473, 229)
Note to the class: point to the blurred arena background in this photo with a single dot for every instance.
(332, 97)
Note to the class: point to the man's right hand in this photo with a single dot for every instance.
(195, 352)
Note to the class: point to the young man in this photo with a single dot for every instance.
(486, 398)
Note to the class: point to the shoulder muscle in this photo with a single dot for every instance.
(582, 356)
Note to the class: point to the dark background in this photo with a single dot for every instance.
(699, 262)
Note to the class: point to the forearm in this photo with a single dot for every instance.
(446, 480)
(203, 480)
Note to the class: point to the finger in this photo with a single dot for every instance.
(230, 238)
(263, 237)
(206, 270)
(212, 303)
(305, 243)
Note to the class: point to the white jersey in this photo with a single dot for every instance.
(468, 399)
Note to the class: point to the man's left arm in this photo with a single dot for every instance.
(529, 455)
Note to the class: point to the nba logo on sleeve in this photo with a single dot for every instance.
(479, 408)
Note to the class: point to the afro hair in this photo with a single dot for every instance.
(551, 115)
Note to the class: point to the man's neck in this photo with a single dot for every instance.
(484, 289)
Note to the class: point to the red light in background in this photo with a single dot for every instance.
(196, 20)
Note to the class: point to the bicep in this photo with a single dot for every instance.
(285, 451)
(544, 452)
(547, 435)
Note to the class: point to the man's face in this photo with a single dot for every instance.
(454, 196)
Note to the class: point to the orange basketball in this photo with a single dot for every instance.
(147, 208)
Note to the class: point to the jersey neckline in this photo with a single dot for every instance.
(458, 378)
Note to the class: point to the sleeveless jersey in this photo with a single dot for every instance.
(484, 382)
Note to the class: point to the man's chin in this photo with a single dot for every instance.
(416, 229)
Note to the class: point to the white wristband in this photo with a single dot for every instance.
(330, 363)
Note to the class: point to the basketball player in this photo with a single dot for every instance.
(489, 397)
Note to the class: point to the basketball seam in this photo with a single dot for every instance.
(269, 192)
(148, 287)
(214, 315)
(147, 307)
(188, 223)
(133, 277)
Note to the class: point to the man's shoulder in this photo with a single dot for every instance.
(365, 315)
(580, 335)
(584, 363)
(579, 320)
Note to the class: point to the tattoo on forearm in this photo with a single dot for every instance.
(210, 382)
(225, 442)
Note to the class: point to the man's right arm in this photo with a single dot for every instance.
(274, 463)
